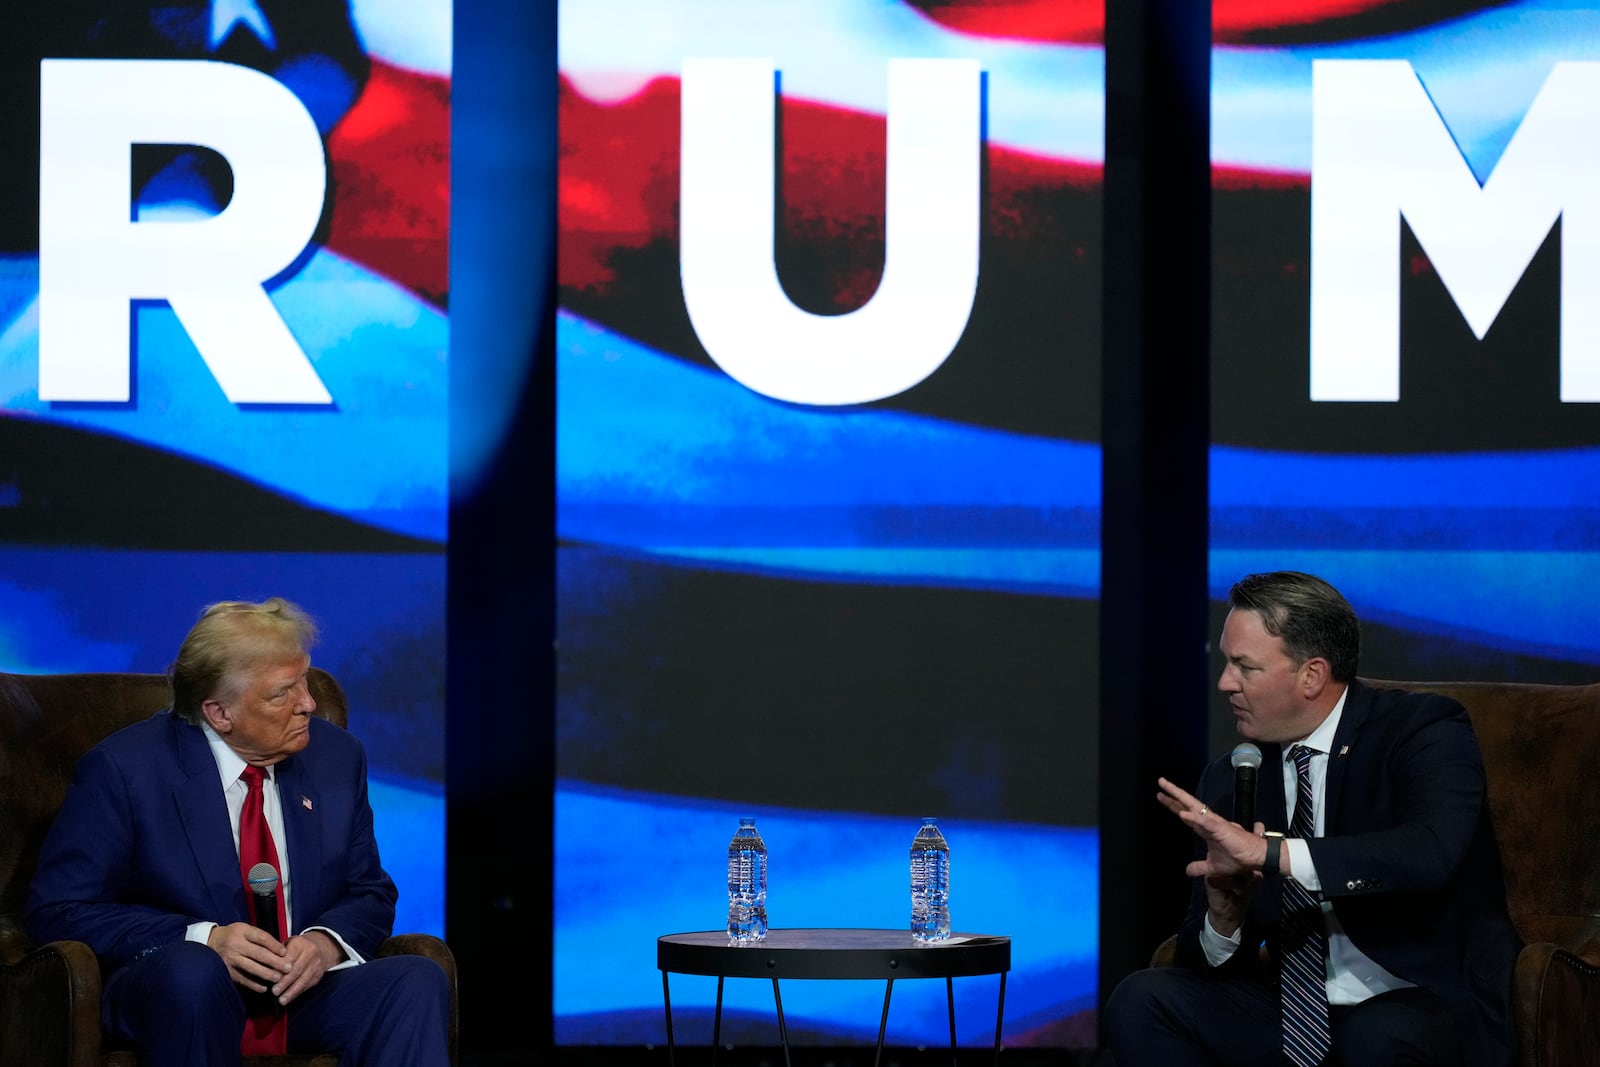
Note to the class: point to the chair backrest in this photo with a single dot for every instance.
(1541, 754)
(47, 721)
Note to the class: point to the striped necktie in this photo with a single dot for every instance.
(1303, 944)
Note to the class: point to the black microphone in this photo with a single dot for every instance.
(1246, 758)
(263, 880)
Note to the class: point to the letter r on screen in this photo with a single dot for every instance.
(95, 258)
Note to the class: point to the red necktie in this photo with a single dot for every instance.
(266, 1032)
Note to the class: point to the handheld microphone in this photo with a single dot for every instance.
(1246, 758)
(263, 881)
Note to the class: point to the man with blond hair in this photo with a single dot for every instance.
(149, 858)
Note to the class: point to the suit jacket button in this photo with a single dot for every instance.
(1350, 885)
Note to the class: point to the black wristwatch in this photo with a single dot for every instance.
(1273, 863)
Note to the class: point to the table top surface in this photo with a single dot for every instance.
(840, 952)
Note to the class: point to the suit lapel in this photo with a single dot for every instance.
(301, 827)
(204, 814)
(1357, 702)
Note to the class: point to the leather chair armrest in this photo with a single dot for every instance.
(439, 952)
(50, 1005)
(1557, 1006)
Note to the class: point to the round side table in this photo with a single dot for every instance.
(832, 954)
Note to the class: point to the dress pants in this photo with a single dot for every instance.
(1174, 1016)
(179, 1006)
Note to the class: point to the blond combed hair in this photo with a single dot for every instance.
(231, 638)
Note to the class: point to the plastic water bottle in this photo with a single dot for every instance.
(930, 884)
(747, 883)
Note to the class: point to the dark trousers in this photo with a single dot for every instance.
(1174, 1016)
(179, 1006)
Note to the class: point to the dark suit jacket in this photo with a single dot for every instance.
(143, 847)
(1408, 860)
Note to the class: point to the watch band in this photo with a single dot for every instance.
(1273, 864)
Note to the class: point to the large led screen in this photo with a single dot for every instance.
(223, 342)
(1405, 371)
(828, 483)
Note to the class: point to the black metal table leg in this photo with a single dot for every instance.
(666, 999)
(883, 1022)
(999, 1018)
(950, 1002)
(783, 1028)
(716, 1024)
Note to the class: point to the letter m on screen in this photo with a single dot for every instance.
(1380, 151)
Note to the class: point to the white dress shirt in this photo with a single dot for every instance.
(230, 767)
(1353, 976)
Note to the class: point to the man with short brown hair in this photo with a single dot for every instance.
(1381, 901)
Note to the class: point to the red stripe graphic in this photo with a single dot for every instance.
(618, 188)
(391, 180)
(1083, 21)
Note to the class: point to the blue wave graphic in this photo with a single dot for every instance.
(378, 456)
(1541, 480)
(650, 450)
(1531, 603)
(1051, 572)
(65, 609)
(631, 867)
(408, 818)
(1492, 547)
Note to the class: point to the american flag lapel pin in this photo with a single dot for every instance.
(1344, 750)
(305, 802)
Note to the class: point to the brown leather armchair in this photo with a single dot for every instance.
(1541, 754)
(50, 994)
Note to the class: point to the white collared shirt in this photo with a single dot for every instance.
(230, 768)
(1353, 976)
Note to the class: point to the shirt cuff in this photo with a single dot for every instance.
(1218, 948)
(1301, 869)
(200, 932)
(351, 956)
